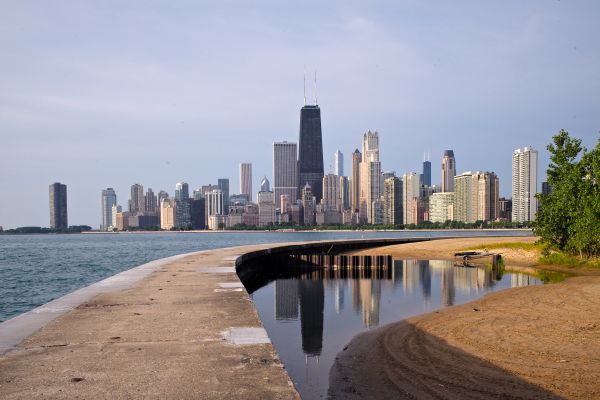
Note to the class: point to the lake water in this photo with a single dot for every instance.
(35, 269)
(311, 317)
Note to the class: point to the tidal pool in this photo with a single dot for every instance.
(310, 316)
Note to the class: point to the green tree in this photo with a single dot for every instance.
(569, 217)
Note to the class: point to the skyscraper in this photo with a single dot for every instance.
(137, 203)
(109, 199)
(524, 184)
(308, 204)
(441, 207)
(448, 171)
(426, 177)
(331, 193)
(214, 203)
(476, 197)
(265, 185)
(266, 208)
(410, 192)
(151, 205)
(338, 163)
(223, 184)
(310, 155)
(355, 196)
(392, 201)
(182, 191)
(58, 206)
(285, 171)
(370, 175)
(246, 180)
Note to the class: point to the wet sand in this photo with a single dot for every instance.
(537, 342)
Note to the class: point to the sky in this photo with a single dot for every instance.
(98, 94)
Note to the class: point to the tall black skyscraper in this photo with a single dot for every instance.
(426, 176)
(58, 206)
(310, 155)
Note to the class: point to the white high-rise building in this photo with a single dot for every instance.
(524, 184)
(109, 199)
(441, 207)
(410, 190)
(338, 163)
(214, 203)
(246, 180)
(285, 171)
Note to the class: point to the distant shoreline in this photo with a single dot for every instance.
(274, 231)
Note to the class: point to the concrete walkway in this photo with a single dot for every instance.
(179, 333)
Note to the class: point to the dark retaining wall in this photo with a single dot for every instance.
(255, 268)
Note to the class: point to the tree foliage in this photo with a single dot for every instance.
(569, 216)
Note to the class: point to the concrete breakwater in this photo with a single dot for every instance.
(180, 327)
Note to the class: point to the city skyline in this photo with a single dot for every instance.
(94, 116)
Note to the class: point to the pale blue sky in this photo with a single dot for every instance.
(110, 93)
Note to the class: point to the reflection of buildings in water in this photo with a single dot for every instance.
(468, 279)
(398, 271)
(410, 276)
(425, 278)
(339, 288)
(312, 303)
(518, 280)
(446, 270)
(448, 286)
(356, 295)
(286, 299)
(370, 293)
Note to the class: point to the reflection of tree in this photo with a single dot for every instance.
(312, 303)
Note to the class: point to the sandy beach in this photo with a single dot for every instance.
(536, 342)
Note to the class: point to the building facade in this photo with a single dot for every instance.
(392, 201)
(448, 171)
(246, 180)
(476, 197)
(441, 207)
(370, 176)
(266, 208)
(355, 187)
(524, 184)
(137, 202)
(285, 171)
(168, 216)
(410, 190)
(58, 206)
(223, 184)
(338, 163)
(310, 151)
(109, 199)
(331, 193)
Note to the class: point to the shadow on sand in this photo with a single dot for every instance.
(401, 361)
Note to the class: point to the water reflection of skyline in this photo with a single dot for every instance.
(310, 317)
(303, 297)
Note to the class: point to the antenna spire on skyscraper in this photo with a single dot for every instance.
(316, 102)
(305, 86)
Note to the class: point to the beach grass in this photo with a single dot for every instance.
(508, 245)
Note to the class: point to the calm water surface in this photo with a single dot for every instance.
(312, 317)
(35, 269)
